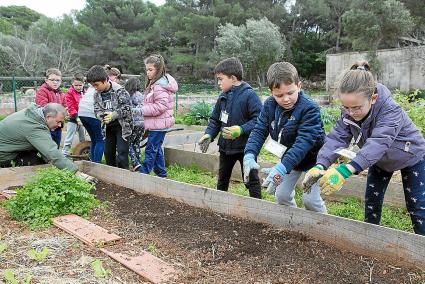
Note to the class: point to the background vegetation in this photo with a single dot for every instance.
(194, 35)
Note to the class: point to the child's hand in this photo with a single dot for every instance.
(204, 142)
(334, 178)
(274, 177)
(232, 132)
(311, 177)
(109, 116)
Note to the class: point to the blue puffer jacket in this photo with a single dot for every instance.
(303, 133)
(243, 106)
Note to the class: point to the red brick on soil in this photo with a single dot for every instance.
(84, 230)
(146, 265)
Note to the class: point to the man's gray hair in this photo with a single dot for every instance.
(53, 109)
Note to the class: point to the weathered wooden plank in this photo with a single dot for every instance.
(353, 235)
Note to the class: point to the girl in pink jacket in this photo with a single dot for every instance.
(157, 112)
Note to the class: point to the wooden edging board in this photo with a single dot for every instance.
(360, 237)
(354, 187)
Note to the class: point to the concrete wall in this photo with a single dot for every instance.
(365, 238)
(402, 68)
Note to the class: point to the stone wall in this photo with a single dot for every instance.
(401, 68)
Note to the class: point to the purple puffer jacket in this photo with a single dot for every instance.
(159, 103)
(388, 138)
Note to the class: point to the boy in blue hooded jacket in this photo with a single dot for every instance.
(293, 121)
(234, 115)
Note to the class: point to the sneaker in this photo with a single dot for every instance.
(136, 168)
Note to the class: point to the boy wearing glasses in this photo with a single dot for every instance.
(293, 122)
(50, 92)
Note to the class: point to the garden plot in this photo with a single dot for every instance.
(207, 246)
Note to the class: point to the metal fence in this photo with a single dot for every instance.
(16, 92)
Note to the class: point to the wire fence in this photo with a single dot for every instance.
(17, 92)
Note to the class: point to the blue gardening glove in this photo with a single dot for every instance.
(274, 177)
(249, 164)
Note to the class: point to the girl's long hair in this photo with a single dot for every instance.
(132, 85)
(158, 62)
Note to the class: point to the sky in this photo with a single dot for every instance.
(55, 8)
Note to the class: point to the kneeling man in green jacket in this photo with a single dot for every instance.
(25, 138)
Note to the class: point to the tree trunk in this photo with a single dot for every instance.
(338, 34)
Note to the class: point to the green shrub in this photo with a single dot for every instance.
(50, 193)
(414, 107)
(198, 115)
(329, 116)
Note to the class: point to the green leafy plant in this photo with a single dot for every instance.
(198, 115)
(3, 247)
(9, 276)
(152, 249)
(50, 193)
(99, 270)
(329, 116)
(38, 256)
(414, 106)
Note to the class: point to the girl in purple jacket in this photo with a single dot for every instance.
(387, 140)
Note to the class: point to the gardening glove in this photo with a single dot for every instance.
(204, 142)
(334, 178)
(249, 164)
(78, 121)
(232, 132)
(311, 177)
(274, 177)
(86, 177)
(109, 116)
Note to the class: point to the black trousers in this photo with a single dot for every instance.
(25, 158)
(227, 162)
(116, 148)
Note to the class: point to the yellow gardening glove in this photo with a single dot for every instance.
(311, 177)
(232, 132)
(334, 178)
(109, 116)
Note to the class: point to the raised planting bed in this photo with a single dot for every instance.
(355, 187)
(216, 237)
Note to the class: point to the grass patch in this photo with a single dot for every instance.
(350, 207)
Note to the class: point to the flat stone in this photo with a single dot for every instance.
(146, 265)
(84, 230)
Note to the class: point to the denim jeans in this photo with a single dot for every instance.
(227, 162)
(154, 156)
(93, 127)
(413, 179)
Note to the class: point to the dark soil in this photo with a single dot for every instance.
(213, 248)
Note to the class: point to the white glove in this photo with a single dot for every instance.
(86, 177)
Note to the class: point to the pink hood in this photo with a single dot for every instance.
(159, 103)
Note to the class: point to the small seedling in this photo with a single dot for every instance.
(99, 270)
(38, 256)
(9, 276)
(3, 247)
(152, 249)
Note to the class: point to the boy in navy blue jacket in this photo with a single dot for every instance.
(234, 115)
(293, 121)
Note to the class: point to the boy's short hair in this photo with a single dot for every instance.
(282, 72)
(53, 71)
(230, 66)
(78, 77)
(96, 74)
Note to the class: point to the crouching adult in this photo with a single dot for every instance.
(25, 138)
